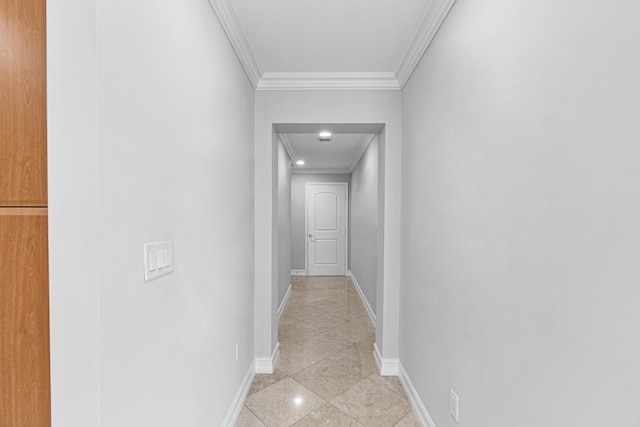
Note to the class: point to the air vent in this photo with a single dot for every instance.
(322, 140)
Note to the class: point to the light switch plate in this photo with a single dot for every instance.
(158, 259)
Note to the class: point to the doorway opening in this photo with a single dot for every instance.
(334, 203)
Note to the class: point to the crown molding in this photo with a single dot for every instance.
(328, 81)
(433, 19)
(231, 25)
(287, 146)
(316, 171)
(364, 144)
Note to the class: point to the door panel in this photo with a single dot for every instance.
(24, 294)
(326, 210)
(326, 251)
(23, 103)
(24, 318)
(326, 229)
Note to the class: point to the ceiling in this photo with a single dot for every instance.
(329, 35)
(341, 155)
(329, 45)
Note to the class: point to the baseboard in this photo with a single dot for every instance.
(238, 400)
(416, 403)
(298, 272)
(266, 365)
(284, 302)
(387, 367)
(370, 312)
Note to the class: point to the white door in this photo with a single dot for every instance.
(326, 229)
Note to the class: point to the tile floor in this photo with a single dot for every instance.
(326, 375)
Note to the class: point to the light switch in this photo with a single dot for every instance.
(158, 259)
(160, 255)
(168, 252)
(153, 259)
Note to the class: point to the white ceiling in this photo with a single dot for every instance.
(330, 44)
(329, 35)
(341, 155)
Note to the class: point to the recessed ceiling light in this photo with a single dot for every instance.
(325, 134)
(300, 162)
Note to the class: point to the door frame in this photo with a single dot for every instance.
(306, 223)
(279, 111)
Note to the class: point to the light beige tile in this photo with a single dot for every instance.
(327, 321)
(327, 415)
(248, 419)
(299, 330)
(324, 291)
(262, 381)
(302, 312)
(326, 304)
(341, 312)
(409, 420)
(285, 342)
(354, 331)
(392, 383)
(286, 320)
(356, 309)
(297, 299)
(327, 378)
(295, 357)
(283, 403)
(364, 320)
(347, 312)
(327, 344)
(358, 358)
(326, 280)
(372, 404)
(316, 300)
(298, 281)
(367, 344)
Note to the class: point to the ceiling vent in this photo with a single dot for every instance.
(324, 140)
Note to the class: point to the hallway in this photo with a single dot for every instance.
(326, 374)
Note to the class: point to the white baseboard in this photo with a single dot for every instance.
(416, 403)
(387, 367)
(284, 302)
(370, 312)
(298, 272)
(238, 400)
(266, 365)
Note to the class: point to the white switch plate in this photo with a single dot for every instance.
(453, 404)
(158, 259)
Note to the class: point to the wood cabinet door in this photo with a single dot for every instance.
(23, 103)
(24, 318)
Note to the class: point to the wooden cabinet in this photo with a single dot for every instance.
(24, 318)
(24, 285)
(23, 103)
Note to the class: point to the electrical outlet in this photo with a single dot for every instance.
(237, 350)
(453, 404)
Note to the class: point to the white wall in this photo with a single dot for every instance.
(521, 200)
(74, 286)
(354, 107)
(363, 227)
(298, 220)
(168, 113)
(284, 222)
